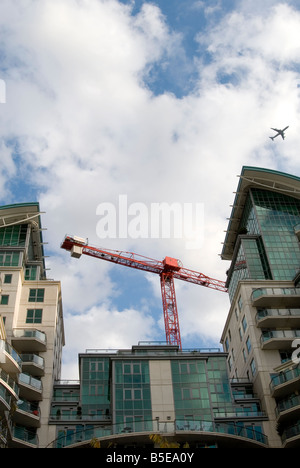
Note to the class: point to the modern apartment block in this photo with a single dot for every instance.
(31, 310)
(124, 397)
(263, 324)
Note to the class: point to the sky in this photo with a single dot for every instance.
(109, 109)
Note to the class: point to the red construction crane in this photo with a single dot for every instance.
(167, 269)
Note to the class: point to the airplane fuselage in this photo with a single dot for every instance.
(279, 132)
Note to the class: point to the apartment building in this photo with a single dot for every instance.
(263, 325)
(31, 311)
(126, 397)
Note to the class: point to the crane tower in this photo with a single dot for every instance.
(168, 270)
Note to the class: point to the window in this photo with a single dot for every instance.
(4, 299)
(240, 303)
(36, 295)
(96, 389)
(253, 367)
(132, 368)
(7, 279)
(226, 344)
(244, 355)
(244, 323)
(34, 316)
(9, 258)
(132, 394)
(248, 344)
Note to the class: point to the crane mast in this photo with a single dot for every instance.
(168, 270)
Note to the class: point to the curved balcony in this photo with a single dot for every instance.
(29, 340)
(5, 398)
(9, 383)
(10, 361)
(278, 318)
(278, 339)
(297, 230)
(276, 297)
(223, 434)
(285, 382)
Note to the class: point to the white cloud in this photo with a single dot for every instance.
(88, 129)
(103, 328)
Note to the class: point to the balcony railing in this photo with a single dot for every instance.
(24, 435)
(277, 315)
(8, 380)
(279, 335)
(291, 431)
(29, 340)
(284, 378)
(5, 396)
(149, 426)
(287, 404)
(16, 361)
(280, 297)
(31, 381)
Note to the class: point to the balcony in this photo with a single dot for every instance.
(285, 382)
(278, 318)
(278, 339)
(9, 359)
(29, 340)
(22, 438)
(9, 383)
(291, 436)
(33, 364)
(276, 297)
(5, 398)
(287, 408)
(30, 388)
(27, 414)
(297, 230)
(222, 434)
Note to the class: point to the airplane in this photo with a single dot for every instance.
(279, 132)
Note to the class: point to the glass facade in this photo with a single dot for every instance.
(13, 236)
(95, 389)
(132, 396)
(114, 398)
(201, 388)
(267, 247)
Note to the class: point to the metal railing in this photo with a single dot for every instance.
(162, 427)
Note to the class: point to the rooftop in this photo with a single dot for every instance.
(259, 178)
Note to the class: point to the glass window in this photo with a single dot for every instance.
(36, 295)
(9, 258)
(34, 316)
(13, 235)
(248, 344)
(4, 299)
(7, 279)
(244, 323)
(253, 367)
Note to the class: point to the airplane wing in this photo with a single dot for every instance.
(275, 130)
(285, 128)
